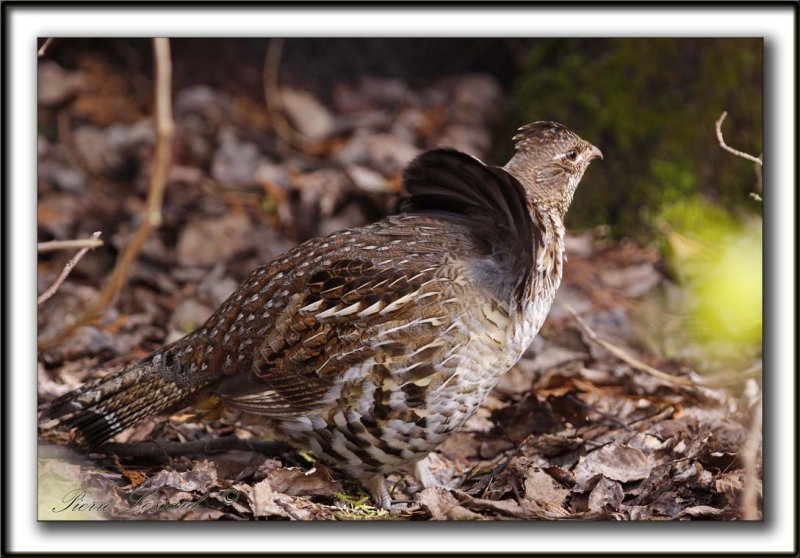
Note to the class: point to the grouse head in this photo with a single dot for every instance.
(550, 160)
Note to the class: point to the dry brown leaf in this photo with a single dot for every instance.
(311, 118)
(262, 499)
(605, 496)
(207, 241)
(615, 461)
(524, 509)
(442, 505)
(135, 477)
(296, 482)
(694, 512)
(201, 478)
(543, 489)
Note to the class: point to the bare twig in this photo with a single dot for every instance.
(164, 127)
(626, 358)
(197, 447)
(43, 49)
(483, 486)
(756, 160)
(726, 147)
(759, 180)
(272, 97)
(749, 502)
(53, 245)
(85, 246)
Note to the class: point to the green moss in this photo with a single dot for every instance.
(268, 205)
(307, 455)
(357, 508)
(651, 106)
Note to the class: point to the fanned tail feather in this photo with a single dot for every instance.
(449, 181)
(104, 407)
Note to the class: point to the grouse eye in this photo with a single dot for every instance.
(572, 155)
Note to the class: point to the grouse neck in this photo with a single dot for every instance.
(544, 279)
(543, 193)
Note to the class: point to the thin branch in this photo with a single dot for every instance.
(759, 181)
(164, 128)
(54, 245)
(272, 96)
(87, 245)
(197, 447)
(43, 49)
(626, 358)
(749, 502)
(756, 160)
(726, 147)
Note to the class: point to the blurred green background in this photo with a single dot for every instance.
(651, 106)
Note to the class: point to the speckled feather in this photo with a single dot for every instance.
(372, 345)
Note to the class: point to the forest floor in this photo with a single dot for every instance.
(594, 422)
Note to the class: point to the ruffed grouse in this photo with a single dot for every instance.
(372, 345)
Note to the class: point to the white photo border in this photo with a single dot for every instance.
(24, 23)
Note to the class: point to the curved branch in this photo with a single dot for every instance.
(164, 128)
(272, 97)
(625, 357)
(726, 147)
(85, 246)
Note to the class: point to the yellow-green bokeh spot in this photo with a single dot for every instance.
(718, 259)
(727, 295)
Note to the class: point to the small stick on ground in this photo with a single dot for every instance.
(197, 447)
(85, 245)
(152, 215)
(626, 358)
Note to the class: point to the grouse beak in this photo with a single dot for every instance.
(595, 154)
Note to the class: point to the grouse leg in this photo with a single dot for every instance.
(422, 471)
(376, 484)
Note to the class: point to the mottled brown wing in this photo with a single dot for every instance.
(342, 319)
(449, 181)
